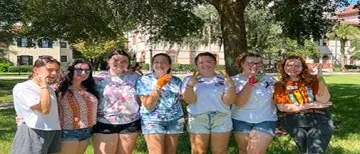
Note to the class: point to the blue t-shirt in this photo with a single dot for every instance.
(209, 92)
(168, 106)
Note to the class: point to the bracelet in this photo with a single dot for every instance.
(250, 84)
(44, 87)
(189, 86)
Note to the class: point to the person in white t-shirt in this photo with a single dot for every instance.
(38, 130)
(254, 112)
(209, 96)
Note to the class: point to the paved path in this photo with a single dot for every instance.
(4, 106)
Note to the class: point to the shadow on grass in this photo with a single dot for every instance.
(346, 109)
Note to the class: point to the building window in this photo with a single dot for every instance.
(173, 56)
(45, 43)
(63, 44)
(23, 42)
(63, 59)
(25, 60)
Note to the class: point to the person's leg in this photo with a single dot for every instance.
(260, 137)
(155, 143)
(69, 147)
(199, 131)
(318, 138)
(171, 141)
(199, 143)
(299, 135)
(128, 136)
(241, 133)
(105, 143)
(219, 142)
(258, 142)
(127, 143)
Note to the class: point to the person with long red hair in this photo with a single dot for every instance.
(304, 99)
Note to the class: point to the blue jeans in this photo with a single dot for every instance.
(243, 127)
(210, 122)
(76, 134)
(163, 127)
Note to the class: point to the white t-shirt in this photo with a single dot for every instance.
(260, 106)
(27, 94)
(209, 92)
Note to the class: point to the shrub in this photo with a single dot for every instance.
(21, 68)
(144, 66)
(4, 67)
(351, 67)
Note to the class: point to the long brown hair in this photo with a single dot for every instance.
(305, 76)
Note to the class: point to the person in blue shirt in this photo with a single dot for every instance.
(161, 110)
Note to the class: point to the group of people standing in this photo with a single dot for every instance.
(115, 106)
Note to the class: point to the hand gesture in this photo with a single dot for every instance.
(193, 80)
(162, 81)
(41, 79)
(227, 78)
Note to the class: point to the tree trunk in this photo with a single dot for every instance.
(231, 14)
(342, 51)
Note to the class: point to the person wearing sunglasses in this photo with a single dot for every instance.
(35, 103)
(118, 121)
(77, 103)
(209, 96)
(253, 113)
(304, 100)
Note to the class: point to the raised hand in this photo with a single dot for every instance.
(227, 78)
(41, 79)
(162, 81)
(253, 79)
(193, 80)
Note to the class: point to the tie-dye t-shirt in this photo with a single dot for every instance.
(168, 106)
(118, 101)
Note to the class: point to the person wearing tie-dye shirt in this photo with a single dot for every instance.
(304, 100)
(118, 121)
(161, 111)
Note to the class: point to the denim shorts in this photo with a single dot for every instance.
(210, 122)
(243, 127)
(76, 134)
(163, 127)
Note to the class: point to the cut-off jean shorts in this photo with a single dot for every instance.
(243, 127)
(210, 122)
(76, 134)
(163, 127)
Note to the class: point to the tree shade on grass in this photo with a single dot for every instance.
(346, 138)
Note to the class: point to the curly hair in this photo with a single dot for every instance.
(68, 76)
(241, 59)
(304, 77)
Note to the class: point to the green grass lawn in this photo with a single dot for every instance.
(6, 87)
(346, 109)
(14, 73)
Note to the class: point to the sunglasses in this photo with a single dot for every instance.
(251, 64)
(80, 70)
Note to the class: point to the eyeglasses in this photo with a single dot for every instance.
(80, 70)
(251, 64)
(293, 66)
